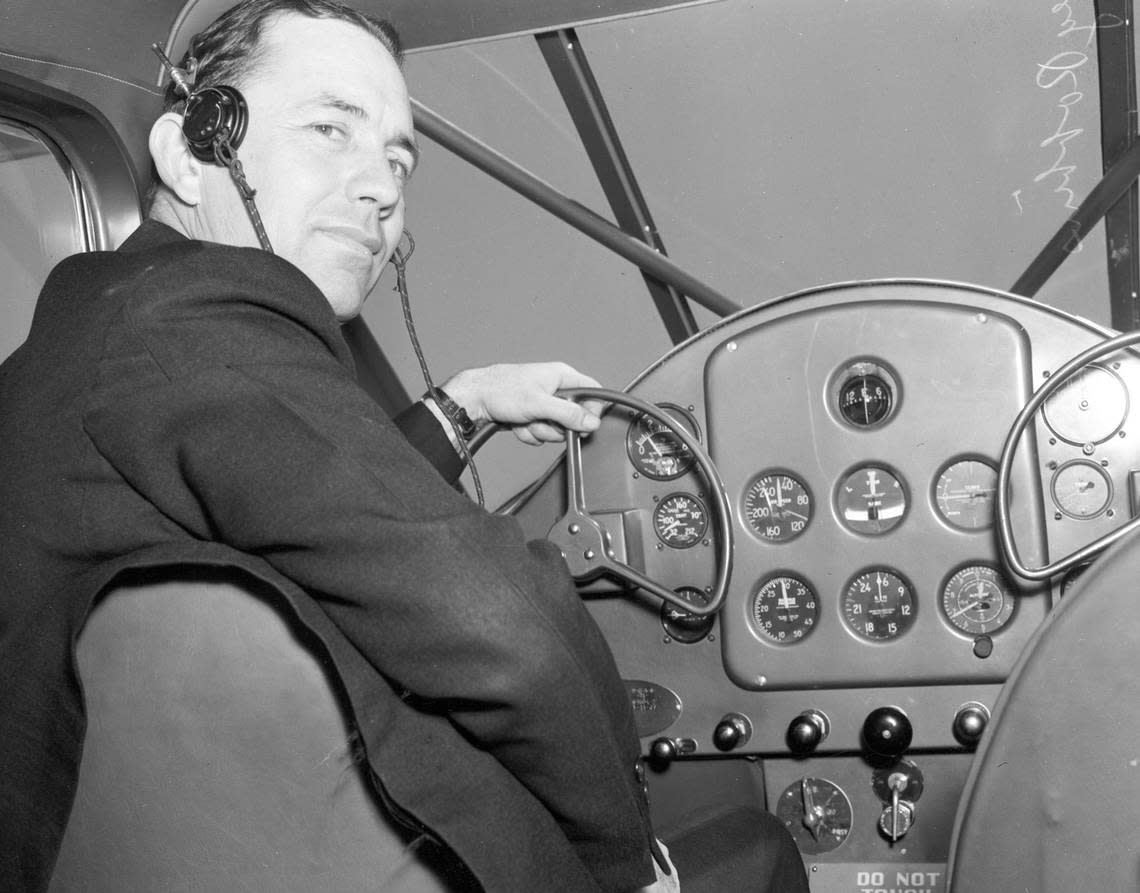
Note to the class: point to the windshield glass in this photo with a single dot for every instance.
(779, 147)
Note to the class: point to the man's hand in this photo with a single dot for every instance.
(521, 396)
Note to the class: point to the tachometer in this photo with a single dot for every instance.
(878, 604)
(784, 609)
(657, 452)
(777, 506)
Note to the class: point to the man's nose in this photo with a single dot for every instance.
(376, 182)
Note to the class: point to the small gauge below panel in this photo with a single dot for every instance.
(785, 609)
(977, 600)
(657, 452)
(777, 506)
(680, 520)
(965, 494)
(878, 605)
(682, 626)
(817, 813)
(871, 500)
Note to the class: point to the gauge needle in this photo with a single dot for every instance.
(813, 815)
(968, 607)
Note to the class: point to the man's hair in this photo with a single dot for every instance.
(229, 50)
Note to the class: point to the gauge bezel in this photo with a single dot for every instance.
(857, 367)
(1104, 476)
(1007, 593)
(1055, 427)
(742, 507)
(886, 468)
(704, 524)
(844, 594)
(754, 594)
(684, 417)
(789, 810)
(935, 501)
(700, 626)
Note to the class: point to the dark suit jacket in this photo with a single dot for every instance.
(179, 402)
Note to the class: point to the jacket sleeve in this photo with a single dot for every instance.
(286, 458)
(424, 432)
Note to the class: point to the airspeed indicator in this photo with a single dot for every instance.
(777, 506)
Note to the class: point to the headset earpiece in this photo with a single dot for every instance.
(211, 112)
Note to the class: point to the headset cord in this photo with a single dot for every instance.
(400, 261)
(226, 155)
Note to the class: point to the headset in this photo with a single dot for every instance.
(214, 117)
(214, 122)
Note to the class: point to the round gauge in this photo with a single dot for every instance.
(864, 394)
(680, 520)
(1081, 489)
(777, 506)
(871, 500)
(1088, 408)
(965, 494)
(785, 609)
(878, 605)
(865, 400)
(682, 626)
(817, 813)
(656, 451)
(977, 600)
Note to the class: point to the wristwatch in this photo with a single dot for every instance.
(454, 412)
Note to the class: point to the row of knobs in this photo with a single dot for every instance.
(887, 732)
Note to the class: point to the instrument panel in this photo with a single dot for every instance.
(857, 430)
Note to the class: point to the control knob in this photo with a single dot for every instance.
(732, 732)
(969, 723)
(887, 732)
(807, 732)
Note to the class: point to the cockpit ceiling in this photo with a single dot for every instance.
(112, 37)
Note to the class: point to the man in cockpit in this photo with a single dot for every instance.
(189, 399)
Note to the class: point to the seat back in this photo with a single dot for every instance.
(218, 756)
(1051, 804)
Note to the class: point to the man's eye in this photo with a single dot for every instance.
(329, 130)
(400, 168)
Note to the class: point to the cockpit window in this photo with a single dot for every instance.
(43, 221)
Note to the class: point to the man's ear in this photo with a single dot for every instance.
(176, 166)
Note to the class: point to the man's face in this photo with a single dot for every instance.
(329, 149)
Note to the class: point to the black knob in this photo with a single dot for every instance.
(732, 732)
(806, 732)
(969, 723)
(662, 752)
(887, 732)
